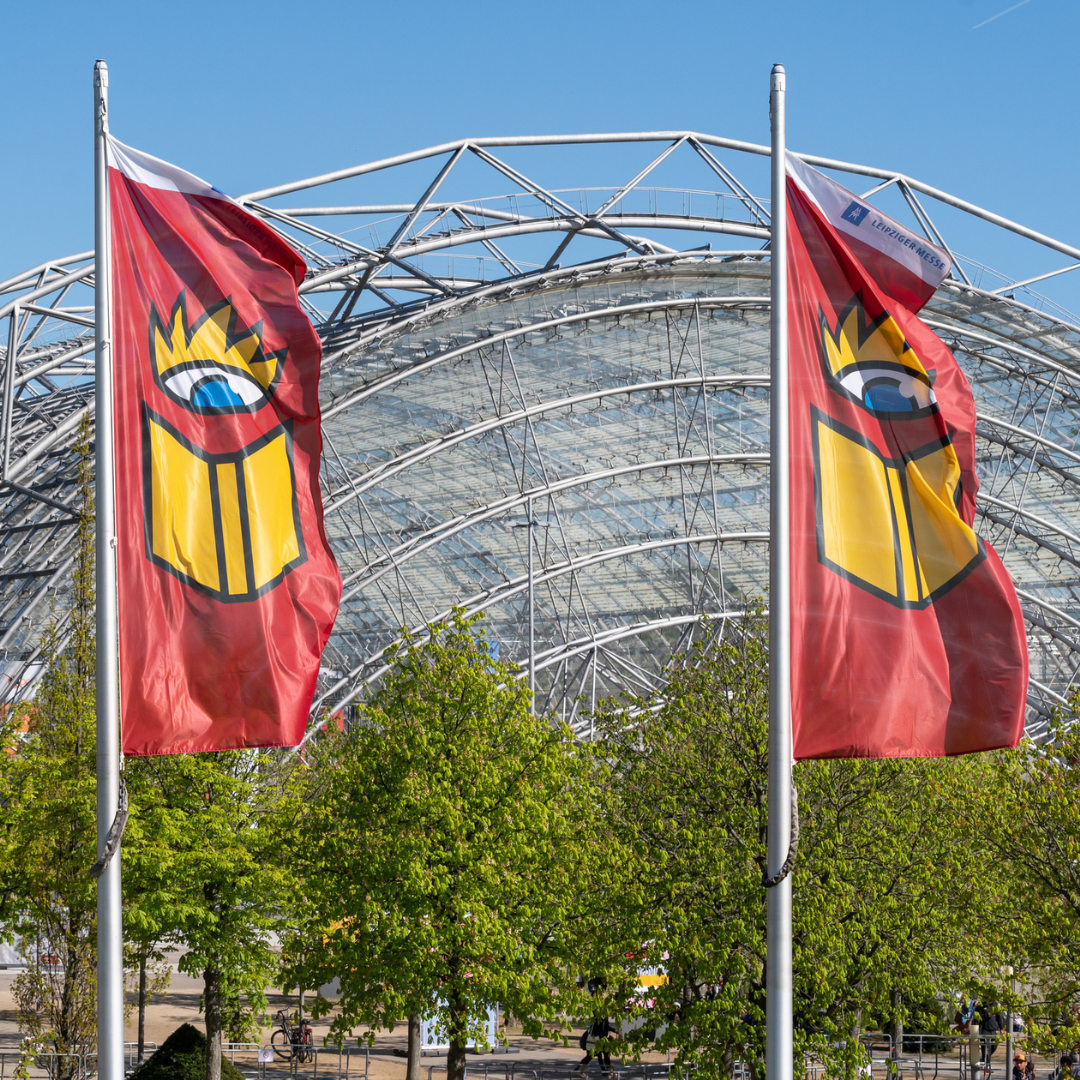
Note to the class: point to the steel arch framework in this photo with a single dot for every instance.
(550, 378)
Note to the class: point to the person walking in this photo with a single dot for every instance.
(991, 1022)
(600, 1028)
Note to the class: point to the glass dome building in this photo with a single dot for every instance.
(551, 405)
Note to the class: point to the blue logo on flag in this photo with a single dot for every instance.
(855, 213)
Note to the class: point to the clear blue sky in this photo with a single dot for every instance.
(249, 94)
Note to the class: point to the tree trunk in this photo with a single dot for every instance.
(412, 1064)
(212, 995)
(455, 1059)
(856, 1023)
(898, 1023)
(142, 1005)
(458, 1023)
(66, 1044)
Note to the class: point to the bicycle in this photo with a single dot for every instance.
(292, 1040)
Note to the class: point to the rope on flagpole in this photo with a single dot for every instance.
(116, 833)
(793, 846)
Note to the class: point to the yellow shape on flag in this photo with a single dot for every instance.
(182, 518)
(882, 344)
(224, 523)
(890, 526)
(271, 517)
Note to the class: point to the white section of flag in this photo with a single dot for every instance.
(153, 172)
(852, 216)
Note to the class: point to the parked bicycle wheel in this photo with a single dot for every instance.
(282, 1045)
(307, 1047)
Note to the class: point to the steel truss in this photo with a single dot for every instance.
(551, 379)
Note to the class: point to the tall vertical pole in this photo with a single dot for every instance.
(110, 1028)
(1008, 972)
(532, 615)
(779, 1049)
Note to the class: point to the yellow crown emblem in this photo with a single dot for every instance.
(216, 365)
(873, 364)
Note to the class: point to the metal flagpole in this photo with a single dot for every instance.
(779, 1049)
(110, 941)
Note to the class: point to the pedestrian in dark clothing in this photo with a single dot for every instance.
(1022, 1068)
(1067, 1066)
(991, 1022)
(600, 1028)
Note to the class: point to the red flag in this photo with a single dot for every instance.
(227, 585)
(907, 637)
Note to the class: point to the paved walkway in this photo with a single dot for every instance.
(181, 1004)
(532, 1060)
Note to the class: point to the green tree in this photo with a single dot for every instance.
(449, 849)
(215, 846)
(687, 806)
(48, 816)
(1031, 821)
(882, 884)
(885, 898)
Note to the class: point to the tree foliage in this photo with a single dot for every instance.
(1031, 821)
(449, 850)
(182, 1056)
(215, 848)
(48, 808)
(882, 886)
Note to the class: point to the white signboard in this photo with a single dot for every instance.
(433, 1036)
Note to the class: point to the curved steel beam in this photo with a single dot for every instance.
(394, 558)
(891, 175)
(1049, 526)
(1005, 343)
(43, 268)
(674, 304)
(384, 470)
(43, 290)
(1047, 606)
(552, 657)
(1028, 534)
(376, 324)
(404, 252)
(1031, 436)
(512, 587)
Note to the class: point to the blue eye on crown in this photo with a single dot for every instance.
(885, 396)
(211, 388)
(216, 393)
(888, 390)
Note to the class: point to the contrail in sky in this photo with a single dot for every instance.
(1000, 13)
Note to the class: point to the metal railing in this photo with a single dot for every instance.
(327, 1062)
(928, 1057)
(527, 1070)
(52, 1065)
